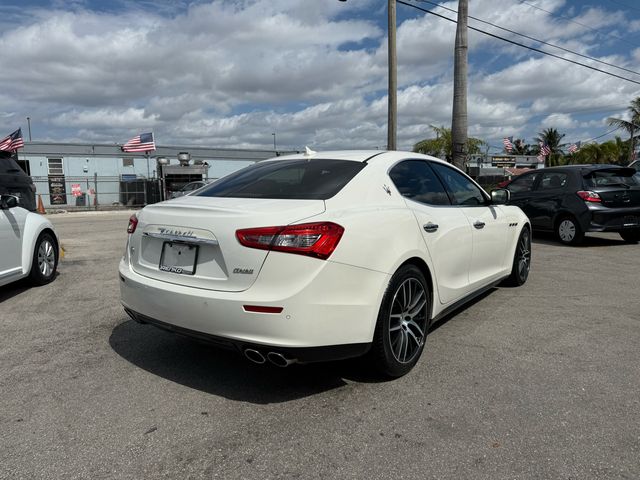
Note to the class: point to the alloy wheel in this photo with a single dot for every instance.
(524, 255)
(46, 258)
(408, 320)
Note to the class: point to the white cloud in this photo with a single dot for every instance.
(230, 73)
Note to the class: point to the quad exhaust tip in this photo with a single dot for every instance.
(254, 355)
(278, 359)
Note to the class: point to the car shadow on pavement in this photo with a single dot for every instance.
(590, 240)
(16, 288)
(224, 373)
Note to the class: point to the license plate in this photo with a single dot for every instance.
(179, 258)
(630, 221)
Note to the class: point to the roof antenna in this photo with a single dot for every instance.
(308, 152)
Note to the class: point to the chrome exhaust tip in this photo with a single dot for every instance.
(254, 355)
(280, 360)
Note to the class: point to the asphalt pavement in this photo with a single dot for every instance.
(537, 382)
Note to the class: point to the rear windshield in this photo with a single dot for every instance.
(286, 179)
(612, 178)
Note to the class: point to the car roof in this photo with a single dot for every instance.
(359, 156)
(586, 166)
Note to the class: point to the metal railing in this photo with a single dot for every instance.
(97, 192)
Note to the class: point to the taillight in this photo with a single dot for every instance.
(133, 223)
(589, 196)
(317, 240)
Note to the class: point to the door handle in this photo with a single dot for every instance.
(430, 227)
(479, 225)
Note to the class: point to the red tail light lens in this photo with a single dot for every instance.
(589, 196)
(317, 240)
(133, 223)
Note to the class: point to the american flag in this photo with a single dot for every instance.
(540, 158)
(508, 143)
(574, 147)
(140, 143)
(544, 149)
(12, 142)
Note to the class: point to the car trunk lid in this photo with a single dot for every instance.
(192, 241)
(617, 187)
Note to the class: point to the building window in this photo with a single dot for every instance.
(127, 162)
(24, 165)
(55, 166)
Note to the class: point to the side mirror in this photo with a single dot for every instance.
(500, 196)
(8, 201)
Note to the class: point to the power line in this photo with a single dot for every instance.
(522, 44)
(569, 19)
(534, 39)
(600, 136)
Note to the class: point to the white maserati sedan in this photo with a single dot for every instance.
(28, 244)
(323, 256)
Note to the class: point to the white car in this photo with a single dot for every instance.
(28, 244)
(323, 256)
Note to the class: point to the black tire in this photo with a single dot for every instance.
(45, 260)
(521, 260)
(403, 323)
(568, 231)
(631, 236)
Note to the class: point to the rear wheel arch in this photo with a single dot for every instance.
(426, 271)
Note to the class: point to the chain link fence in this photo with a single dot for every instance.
(97, 192)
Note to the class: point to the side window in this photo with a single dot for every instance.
(414, 179)
(463, 190)
(523, 183)
(552, 181)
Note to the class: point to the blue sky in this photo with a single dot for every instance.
(230, 73)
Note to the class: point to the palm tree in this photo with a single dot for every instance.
(631, 126)
(552, 138)
(606, 152)
(521, 148)
(460, 145)
(441, 146)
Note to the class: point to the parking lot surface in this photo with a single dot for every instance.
(540, 381)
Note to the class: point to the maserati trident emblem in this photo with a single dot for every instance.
(386, 189)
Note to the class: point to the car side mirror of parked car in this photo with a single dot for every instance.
(500, 196)
(8, 201)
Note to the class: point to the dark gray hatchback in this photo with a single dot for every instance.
(576, 199)
(14, 181)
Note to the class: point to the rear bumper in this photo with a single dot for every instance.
(614, 219)
(300, 354)
(331, 316)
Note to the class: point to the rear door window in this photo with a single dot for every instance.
(415, 180)
(313, 179)
(553, 181)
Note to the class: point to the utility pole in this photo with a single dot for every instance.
(392, 111)
(29, 124)
(459, 117)
(632, 141)
(392, 120)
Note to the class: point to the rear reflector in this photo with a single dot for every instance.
(317, 240)
(589, 196)
(261, 309)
